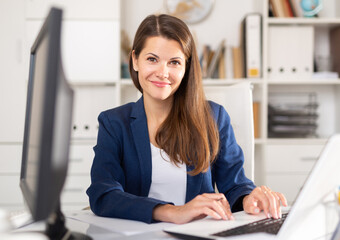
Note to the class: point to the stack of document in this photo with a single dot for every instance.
(295, 117)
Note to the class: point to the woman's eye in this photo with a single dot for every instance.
(175, 62)
(152, 59)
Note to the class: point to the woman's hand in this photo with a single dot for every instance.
(214, 205)
(262, 198)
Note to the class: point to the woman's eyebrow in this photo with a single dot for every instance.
(152, 55)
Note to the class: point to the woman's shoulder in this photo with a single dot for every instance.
(123, 113)
(218, 111)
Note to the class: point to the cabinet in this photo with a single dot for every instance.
(90, 53)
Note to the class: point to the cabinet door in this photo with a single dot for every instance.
(10, 159)
(10, 191)
(75, 190)
(90, 49)
(291, 158)
(13, 71)
(288, 184)
(81, 157)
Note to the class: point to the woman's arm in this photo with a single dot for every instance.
(214, 205)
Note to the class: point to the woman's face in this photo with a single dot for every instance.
(161, 67)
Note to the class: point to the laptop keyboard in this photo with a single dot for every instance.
(268, 225)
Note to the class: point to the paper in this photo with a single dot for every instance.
(122, 226)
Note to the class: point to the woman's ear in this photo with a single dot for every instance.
(134, 61)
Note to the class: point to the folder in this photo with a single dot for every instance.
(335, 48)
(290, 52)
(252, 45)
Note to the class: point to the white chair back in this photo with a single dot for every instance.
(237, 99)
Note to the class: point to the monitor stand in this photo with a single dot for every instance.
(56, 229)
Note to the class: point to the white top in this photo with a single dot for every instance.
(168, 182)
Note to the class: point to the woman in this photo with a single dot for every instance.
(158, 159)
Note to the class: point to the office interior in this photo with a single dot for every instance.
(96, 40)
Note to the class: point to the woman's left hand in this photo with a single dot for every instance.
(263, 198)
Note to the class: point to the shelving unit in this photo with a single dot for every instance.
(269, 151)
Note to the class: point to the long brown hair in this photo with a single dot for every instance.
(189, 133)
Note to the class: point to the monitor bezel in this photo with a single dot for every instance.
(40, 203)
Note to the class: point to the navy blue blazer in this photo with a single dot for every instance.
(121, 169)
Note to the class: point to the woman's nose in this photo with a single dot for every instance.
(162, 71)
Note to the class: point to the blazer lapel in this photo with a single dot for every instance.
(194, 184)
(140, 134)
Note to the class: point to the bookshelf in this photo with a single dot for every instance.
(274, 151)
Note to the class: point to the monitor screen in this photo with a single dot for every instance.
(47, 129)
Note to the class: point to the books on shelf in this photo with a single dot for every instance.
(213, 61)
(286, 8)
(238, 65)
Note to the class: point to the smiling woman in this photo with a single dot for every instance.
(160, 158)
(160, 67)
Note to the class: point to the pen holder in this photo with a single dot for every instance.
(332, 217)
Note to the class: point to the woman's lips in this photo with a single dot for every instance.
(160, 84)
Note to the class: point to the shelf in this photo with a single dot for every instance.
(304, 82)
(303, 21)
(126, 81)
(219, 82)
(296, 141)
(93, 83)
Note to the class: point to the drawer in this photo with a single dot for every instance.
(291, 158)
(75, 189)
(288, 184)
(80, 160)
(10, 190)
(10, 158)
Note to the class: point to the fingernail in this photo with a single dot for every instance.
(232, 217)
(256, 210)
(268, 215)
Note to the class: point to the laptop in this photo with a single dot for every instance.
(306, 218)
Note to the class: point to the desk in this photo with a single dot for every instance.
(99, 228)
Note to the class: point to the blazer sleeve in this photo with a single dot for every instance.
(227, 170)
(106, 192)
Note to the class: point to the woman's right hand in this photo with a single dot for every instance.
(214, 205)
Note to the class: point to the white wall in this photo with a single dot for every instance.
(222, 23)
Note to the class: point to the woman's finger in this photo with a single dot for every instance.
(221, 201)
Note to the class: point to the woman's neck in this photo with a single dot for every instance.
(156, 113)
(157, 110)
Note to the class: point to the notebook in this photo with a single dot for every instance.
(306, 218)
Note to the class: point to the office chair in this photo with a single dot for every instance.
(237, 99)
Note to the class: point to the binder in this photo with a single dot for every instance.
(335, 48)
(252, 45)
(290, 52)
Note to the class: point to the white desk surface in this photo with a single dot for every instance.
(100, 228)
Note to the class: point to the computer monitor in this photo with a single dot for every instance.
(47, 130)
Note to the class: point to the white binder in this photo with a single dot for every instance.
(290, 52)
(252, 45)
